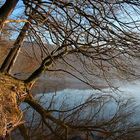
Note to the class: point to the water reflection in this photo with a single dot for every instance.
(105, 111)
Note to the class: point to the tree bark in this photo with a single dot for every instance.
(6, 10)
(12, 55)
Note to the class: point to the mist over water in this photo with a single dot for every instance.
(132, 90)
(73, 97)
(69, 98)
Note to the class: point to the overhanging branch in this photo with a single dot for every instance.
(43, 112)
(47, 62)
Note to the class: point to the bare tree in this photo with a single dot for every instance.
(91, 38)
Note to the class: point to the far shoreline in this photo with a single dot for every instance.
(54, 85)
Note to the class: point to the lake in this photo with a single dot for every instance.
(68, 98)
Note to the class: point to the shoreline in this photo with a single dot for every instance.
(53, 85)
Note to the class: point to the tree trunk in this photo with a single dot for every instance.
(12, 55)
(6, 10)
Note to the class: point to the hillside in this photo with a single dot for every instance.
(30, 57)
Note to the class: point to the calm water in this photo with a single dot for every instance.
(69, 98)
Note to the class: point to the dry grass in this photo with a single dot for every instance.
(10, 114)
